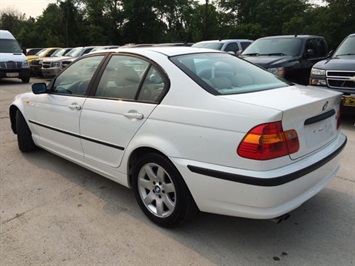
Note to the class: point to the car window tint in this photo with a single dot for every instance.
(245, 45)
(232, 47)
(76, 77)
(274, 46)
(153, 86)
(122, 77)
(222, 74)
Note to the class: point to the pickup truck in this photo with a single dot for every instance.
(288, 56)
(338, 71)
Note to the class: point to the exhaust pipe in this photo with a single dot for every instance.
(281, 218)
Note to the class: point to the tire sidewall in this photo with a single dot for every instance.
(178, 213)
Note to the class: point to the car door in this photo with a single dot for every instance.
(57, 113)
(128, 91)
(315, 51)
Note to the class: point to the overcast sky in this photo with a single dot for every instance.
(34, 8)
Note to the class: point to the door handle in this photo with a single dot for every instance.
(132, 115)
(74, 106)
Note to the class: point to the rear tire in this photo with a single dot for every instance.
(25, 80)
(24, 135)
(161, 191)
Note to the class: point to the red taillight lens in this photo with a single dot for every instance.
(338, 117)
(268, 141)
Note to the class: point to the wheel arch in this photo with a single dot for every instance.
(12, 112)
(135, 155)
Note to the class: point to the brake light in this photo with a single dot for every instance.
(268, 141)
(338, 117)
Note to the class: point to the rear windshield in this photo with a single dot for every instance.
(274, 46)
(225, 74)
(9, 46)
(209, 45)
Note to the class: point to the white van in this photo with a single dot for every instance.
(13, 63)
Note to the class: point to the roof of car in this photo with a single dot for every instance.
(166, 50)
(291, 36)
(226, 40)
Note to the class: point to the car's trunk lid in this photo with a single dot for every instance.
(312, 112)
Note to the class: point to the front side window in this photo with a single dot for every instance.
(224, 74)
(76, 78)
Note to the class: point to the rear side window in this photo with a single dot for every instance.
(224, 74)
(232, 47)
(245, 45)
(131, 78)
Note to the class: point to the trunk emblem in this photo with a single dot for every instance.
(325, 106)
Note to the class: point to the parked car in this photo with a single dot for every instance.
(288, 56)
(53, 65)
(31, 51)
(174, 44)
(338, 71)
(35, 61)
(13, 63)
(231, 144)
(235, 46)
(76, 53)
(105, 47)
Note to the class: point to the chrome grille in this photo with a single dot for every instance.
(46, 64)
(10, 65)
(341, 79)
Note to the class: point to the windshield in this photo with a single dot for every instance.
(224, 74)
(347, 47)
(9, 46)
(60, 52)
(75, 52)
(274, 46)
(209, 45)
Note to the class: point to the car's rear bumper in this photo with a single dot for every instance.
(260, 194)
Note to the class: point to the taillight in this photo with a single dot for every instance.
(338, 117)
(268, 141)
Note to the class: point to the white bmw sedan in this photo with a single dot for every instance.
(187, 129)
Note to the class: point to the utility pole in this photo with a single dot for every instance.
(206, 17)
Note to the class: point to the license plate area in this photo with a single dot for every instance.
(319, 133)
(349, 101)
(12, 75)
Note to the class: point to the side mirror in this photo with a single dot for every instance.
(39, 88)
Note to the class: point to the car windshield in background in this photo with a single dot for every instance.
(209, 45)
(9, 46)
(75, 52)
(224, 74)
(274, 47)
(60, 52)
(346, 48)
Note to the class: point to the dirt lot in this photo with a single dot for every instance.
(54, 212)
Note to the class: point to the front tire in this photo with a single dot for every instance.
(24, 135)
(161, 191)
